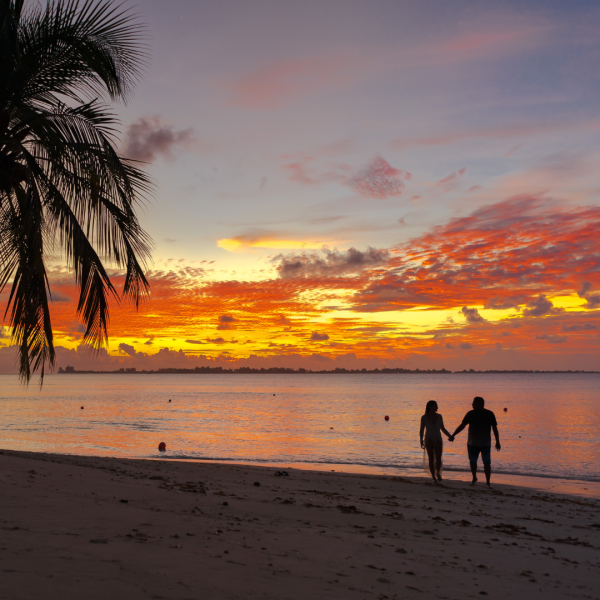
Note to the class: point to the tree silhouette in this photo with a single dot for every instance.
(63, 186)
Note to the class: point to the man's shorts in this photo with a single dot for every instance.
(474, 454)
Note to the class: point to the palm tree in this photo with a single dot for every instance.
(63, 185)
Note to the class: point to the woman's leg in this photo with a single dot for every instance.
(439, 448)
(431, 454)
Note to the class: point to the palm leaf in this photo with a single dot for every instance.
(62, 182)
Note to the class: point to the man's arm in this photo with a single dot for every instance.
(497, 436)
(458, 430)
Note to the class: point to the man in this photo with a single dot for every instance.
(480, 422)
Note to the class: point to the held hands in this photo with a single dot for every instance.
(451, 438)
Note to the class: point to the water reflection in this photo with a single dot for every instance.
(549, 428)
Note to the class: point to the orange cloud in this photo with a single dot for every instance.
(517, 257)
(518, 248)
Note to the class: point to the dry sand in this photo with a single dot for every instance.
(87, 528)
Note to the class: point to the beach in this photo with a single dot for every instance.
(94, 527)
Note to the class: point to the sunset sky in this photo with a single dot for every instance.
(362, 184)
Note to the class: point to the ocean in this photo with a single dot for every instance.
(549, 428)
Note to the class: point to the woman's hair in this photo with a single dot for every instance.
(429, 405)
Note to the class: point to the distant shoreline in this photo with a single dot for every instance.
(282, 371)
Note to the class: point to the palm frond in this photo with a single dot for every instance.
(61, 179)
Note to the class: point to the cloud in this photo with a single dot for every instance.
(378, 180)
(4, 333)
(194, 342)
(225, 322)
(127, 349)
(552, 338)
(329, 263)
(461, 346)
(283, 320)
(285, 81)
(450, 179)
(507, 253)
(579, 327)
(150, 137)
(521, 247)
(220, 340)
(472, 315)
(505, 303)
(593, 300)
(264, 239)
(540, 306)
(319, 337)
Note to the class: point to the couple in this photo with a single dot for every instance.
(480, 422)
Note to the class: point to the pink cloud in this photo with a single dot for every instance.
(147, 138)
(378, 180)
(452, 178)
(281, 82)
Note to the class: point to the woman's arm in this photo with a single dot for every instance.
(421, 431)
(448, 434)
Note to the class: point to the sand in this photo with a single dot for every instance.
(85, 527)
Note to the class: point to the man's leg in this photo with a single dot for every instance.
(487, 465)
(439, 448)
(487, 468)
(474, 471)
(473, 456)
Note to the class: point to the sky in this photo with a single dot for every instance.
(358, 184)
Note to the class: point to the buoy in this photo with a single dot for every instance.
(162, 447)
(82, 408)
(169, 399)
(386, 418)
(273, 394)
(506, 410)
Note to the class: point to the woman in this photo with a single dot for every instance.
(433, 424)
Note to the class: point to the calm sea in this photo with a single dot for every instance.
(550, 427)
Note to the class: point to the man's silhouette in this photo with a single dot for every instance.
(480, 421)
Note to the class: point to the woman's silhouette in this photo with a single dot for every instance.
(433, 425)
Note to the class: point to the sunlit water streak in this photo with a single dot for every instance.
(550, 428)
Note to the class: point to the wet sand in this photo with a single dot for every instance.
(85, 527)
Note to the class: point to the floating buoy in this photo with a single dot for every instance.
(169, 399)
(82, 408)
(162, 447)
(506, 410)
(273, 394)
(386, 418)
